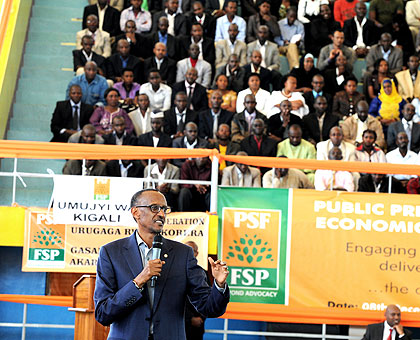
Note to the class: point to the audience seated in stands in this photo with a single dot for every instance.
(229, 97)
(87, 135)
(161, 170)
(119, 134)
(317, 124)
(295, 147)
(102, 117)
(334, 180)
(124, 168)
(82, 56)
(102, 43)
(178, 116)
(162, 35)
(409, 80)
(141, 116)
(127, 87)
(159, 94)
(109, 17)
(177, 21)
(266, 76)
(367, 151)
(203, 67)
(304, 73)
(344, 10)
(242, 121)
(241, 175)
(263, 17)
(316, 90)
(207, 21)
(379, 183)
(70, 115)
(374, 80)
(279, 123)
(234, 73)
(230, 45)
(142, 18)
(195, 197)
(139, 43)
(159, 61)
(92, 84)
(271, 57)
(406, 125)
(262, 97)
(196, 93)
(224, 145)
(385, 50)
(223, 23)
(344, 102)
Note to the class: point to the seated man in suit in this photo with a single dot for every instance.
(156, 137)
(223, 23)
(124, 168)
(91, 167)
(379, 183)
(141, 116)
(177, 116)
(241, 175)
(394, 55)
(334, 77)
(80, 57)
(177, 22)
(335, 140)
(234, 73)
(271, 58)
(119, 135)
(206, 45)
(86, 135)
(317, 90)
(409, 80)
(263, 17)
(279, 123)
(209, 120)
(139, 44)
(102, 43)
(70, 115)
(206, 20)
(224, 145)
(190, 140)
(162, 35)
(405, 124)
(344, 102)
(317, 124)
(255, 66)
(109, 19)
(203, 67)
(196, 93)
(231, 45)
(121, 60)
(159, 61)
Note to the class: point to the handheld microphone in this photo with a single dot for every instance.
(156, 250)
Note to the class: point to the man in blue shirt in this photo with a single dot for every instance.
(223, 23)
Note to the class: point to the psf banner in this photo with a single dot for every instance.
(50, 247)
(332, 252)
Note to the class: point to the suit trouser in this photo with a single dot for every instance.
(292, 54)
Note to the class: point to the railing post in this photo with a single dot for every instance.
(25, 313)
(14, 181)
(214, 183)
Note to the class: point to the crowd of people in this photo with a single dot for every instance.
(194, 74)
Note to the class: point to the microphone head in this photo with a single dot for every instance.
(157, 241)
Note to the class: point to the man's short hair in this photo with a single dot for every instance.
(373, 132)
(135, 198)
(117, 117)
(127, 69)
(152, 70)
(351, 78)
(295, 126)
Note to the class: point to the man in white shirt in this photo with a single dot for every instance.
(222, 24)
(143, 19)
(159, 94)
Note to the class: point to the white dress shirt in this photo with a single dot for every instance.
(395, 157)
(159, 100)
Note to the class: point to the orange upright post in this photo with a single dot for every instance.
(86, 327)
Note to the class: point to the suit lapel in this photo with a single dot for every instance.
(132, 255)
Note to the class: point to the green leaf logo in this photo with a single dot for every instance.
(48, 238)
(250, 249)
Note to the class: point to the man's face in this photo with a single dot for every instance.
(156, 124)
(154, 78)
(378, 179)
(161, 162)
(242, 167)
(191, 76)
(194, 51)
(194, 247)
(102, 2)
(91, 23)
(136, 3)
(368, 139)
(173, 5)
(335, 154)
(197, 32)
(385, 41)
(254, 83)
(336, 136)
(338, 38)
(285, 108)
(256, 58)
(413, 63)
(118, 125)
(233, 62)
(198, 9)
(88, 136)
(224, 132)
(181, 102)
(350, 87)
(128, 77)
(250, 103)
(402, 140)
(317, 83)
(90, 71)
(148, 221)
(191, 133)
(130, 26)
(231, 8)
(163, 25)
(321, 105)
(200, 162)
(233, 32)
(393, 314)
(75, 94)
(295, 136)
(216, 100)
(160, 51)
(258, 127)
(341, 61)
(408, 112)
(87, 44)
(325, 12)
(362, 111)
(361, 9)
(265, 8)
(143, 101)
(291, 17)
(123, 48)
(262, 34)
(290, 84)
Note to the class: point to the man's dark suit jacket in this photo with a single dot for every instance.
(114, 67)
(275, 125)
(310, 100)
(212, 5)
(209, 52)
(167, 69)
(120, 304)
(180, 23)
(268, 148)
(170, 127)
(366, 185)
(128, 139)
(205, 125)
(265, 76)
(311, 126)
(236, 82)
(79, 59)
(135, 170)
(397, 127)
(111, 19)
(232, 149)
(172, 46)
(209, 24)
(249, 7)
(330, 80)
(62, 118)
(146, 139)
(370, 33)
(179, 143)
(140, 49)
(199, 99)
(376, 330)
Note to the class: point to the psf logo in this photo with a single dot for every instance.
(46, 242)
(251, 247)
(101, 188)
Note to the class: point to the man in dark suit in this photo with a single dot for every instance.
(391, 328)
(207, 50)
(121, 60)
(125, 298)
(206, 20)
(139, 44)
(407, 125)
(180, 21)
(119, 135)
(176, 117)
(210, 120)
(279, 123)
(213, 6)
(234, 73)
(196, 94)
(224, 144)
(162, 35)
(379, 183)
(70, 115)
(255, 67)
(311, 122)
(111, 23)
(317, 83)
(156, 137)
(159, 61)
(80, 56)
(124, 168)
(369, 31)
